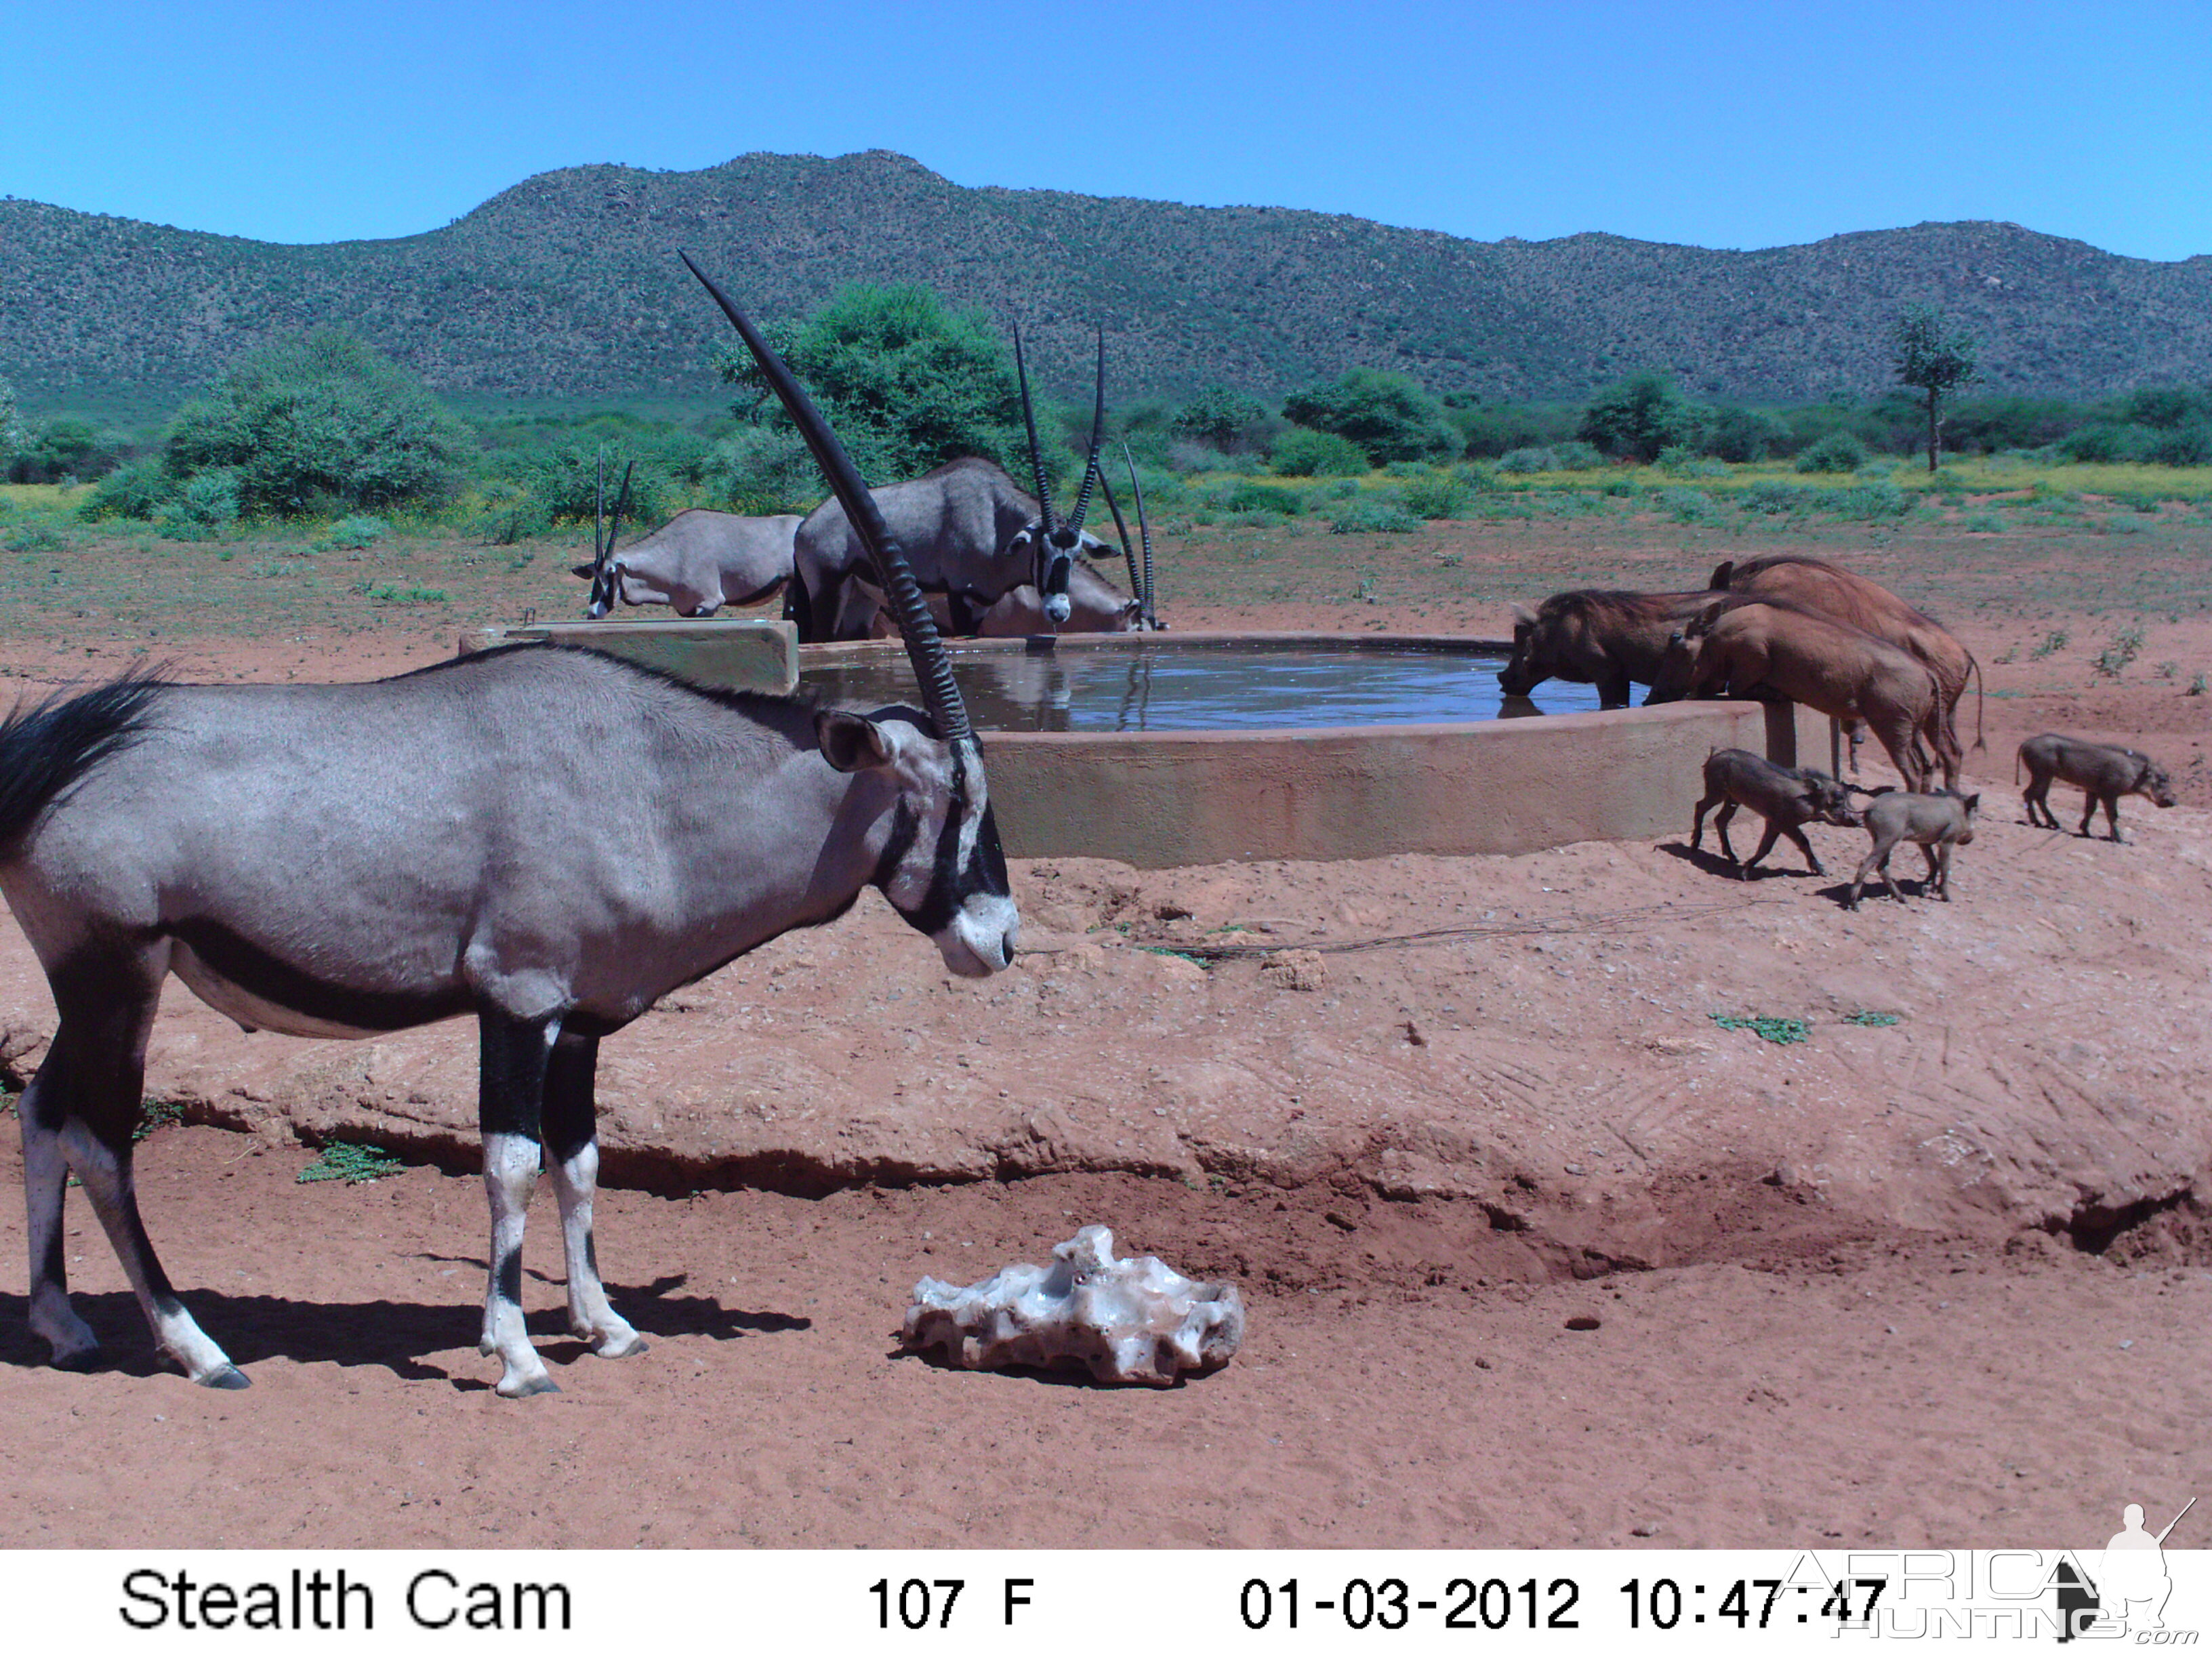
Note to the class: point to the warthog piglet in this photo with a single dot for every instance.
(1785, 796)
(1938, 823)
(2103, 771)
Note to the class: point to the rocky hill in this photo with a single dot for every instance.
(568, 287)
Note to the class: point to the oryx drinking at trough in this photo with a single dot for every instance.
(697, 563)
(545, 838)
(969, 531)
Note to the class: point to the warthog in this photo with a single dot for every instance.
(1747, 648)
(700, 560)
(1938, 823)
(1785, 796)
(1596, 636)
(1829, 590)
(2103, 771)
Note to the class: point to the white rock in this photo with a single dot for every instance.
(1131, 1320)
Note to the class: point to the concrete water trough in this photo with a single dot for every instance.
(1206, 748)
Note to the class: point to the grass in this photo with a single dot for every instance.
(342, 1160)
(1772, 1028)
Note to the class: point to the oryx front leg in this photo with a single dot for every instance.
(511, 1091)
(571, 1151)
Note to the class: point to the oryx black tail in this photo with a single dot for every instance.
(48, 749)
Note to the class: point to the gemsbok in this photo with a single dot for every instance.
(547, 839)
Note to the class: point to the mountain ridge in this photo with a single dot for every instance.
(566, 285)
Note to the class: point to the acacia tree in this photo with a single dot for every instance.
(1935, 362)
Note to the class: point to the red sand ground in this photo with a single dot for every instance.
(1937, 1281)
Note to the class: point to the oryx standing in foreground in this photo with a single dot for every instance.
(971, 532)
(547, 839)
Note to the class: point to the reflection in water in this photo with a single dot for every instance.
(1148, 686)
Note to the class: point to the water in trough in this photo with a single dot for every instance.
(1155, 685)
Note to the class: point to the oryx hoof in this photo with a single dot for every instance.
(522, 1388)
(621, 1346)
(87, 1357)
(227, 1376)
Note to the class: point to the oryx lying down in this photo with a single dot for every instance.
(547, 839)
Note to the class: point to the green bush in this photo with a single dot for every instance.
(765, 470)
(136, 490)
(1250, 495)
(1374, 510)
(353, 533)
(511, 514)
(203, 508)
(36, 536)
(1303, 453)
(1869, 501)
(1436, 495)
(64, 450)
(1839, 452)
(2105, 440)
(908, 384)
(1639, 416)
(321, 423)
(1390, 417)
(1771, 496)
(2188, 445)
(1225, 419)
(1738, 435)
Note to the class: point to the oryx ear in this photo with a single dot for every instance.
(850, 743)
(1523, 616)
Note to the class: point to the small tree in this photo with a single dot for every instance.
(1641, 415)
(908, 384)
(1937, 362)
(321, 423)
(1226, 419)
(11, 430)
(1390, 417)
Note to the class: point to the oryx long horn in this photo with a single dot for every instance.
(923, 648)
(622, 506)
(1129, 553)
(1036, 455)
(1091, 472)
(1145, 530)
(600, 602)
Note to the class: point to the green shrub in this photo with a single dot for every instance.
(2188, 445)
(1685, 506)
(1771, 496)
(355, 532)
(2105, 441)
(1528, 460)
(1303, 453)
(1392, 417)
(320, 422)
(1225, 419)
(36, 536)
(342, 1160)
(1869, 501)
(1436, 495)
(1640, 416)
(1738, 435)
(511, 514)
(206, 505)
(1839, 452)
(136, 490)
(1372, 511)
(907, 383)
(765, 470)
(1249, 495)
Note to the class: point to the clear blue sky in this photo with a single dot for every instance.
(1727, 126)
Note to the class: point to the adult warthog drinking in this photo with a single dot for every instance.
(1596, 636)
(1830, 590)
(1751, 648)
(548, 839)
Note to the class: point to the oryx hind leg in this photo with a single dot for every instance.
(78, 1115)
(513, 1059)
(572, 1155)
